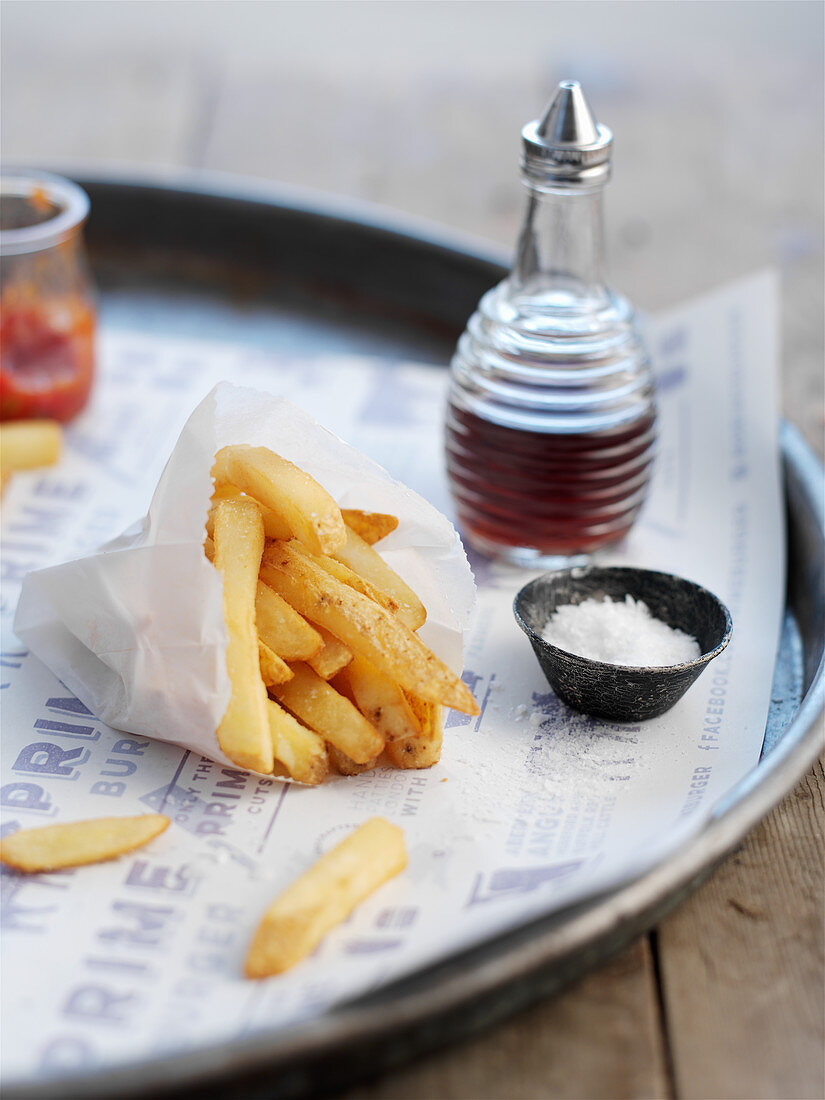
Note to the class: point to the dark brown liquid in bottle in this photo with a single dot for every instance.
(560, 494)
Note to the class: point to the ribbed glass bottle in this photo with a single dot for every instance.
(550, 430)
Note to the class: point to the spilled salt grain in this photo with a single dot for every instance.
(618, 633)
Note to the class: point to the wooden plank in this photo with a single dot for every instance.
(599, 1040)
(742, 964)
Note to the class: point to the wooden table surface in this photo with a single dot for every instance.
(717, 116)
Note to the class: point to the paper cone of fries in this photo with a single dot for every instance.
(154, 637)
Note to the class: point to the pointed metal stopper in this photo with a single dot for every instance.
(566, 147)
(568, 120)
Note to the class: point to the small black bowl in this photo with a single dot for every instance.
(622, 692)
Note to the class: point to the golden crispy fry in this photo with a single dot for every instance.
(423, 750)
(239, 540)
(324, 896)
(363, 627)
(327, 712)
(53, 847)
(371, 526)
(345, 765)
(332, 658)
(274, 528)
(309, 512)
(282, 628)
(25, 444)
(273, 669)
(379, 699)
(368, 564)
(302, 752)
(345, 575)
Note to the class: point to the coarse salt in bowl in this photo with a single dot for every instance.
(618, 689)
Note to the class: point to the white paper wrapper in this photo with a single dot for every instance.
(136, 630)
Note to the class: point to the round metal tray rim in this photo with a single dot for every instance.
(554, 939)
(242, 188)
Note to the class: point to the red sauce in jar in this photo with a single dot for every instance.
(46, 357)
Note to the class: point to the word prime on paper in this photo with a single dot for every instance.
(618, 633)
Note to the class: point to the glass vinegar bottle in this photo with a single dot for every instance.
(550, 430)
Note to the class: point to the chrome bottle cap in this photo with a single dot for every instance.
(566, 148)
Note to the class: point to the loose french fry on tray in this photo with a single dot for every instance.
(26, 444)
(53, 847)
(371, 526)
(364, 627)
(423, 750)
(273, 669)
(332, 657)
(309, 512)
(302, 752)
(324, 896)
(323, 709)
(367, 563)
(282, 629)
(243, 733)
(379, 699)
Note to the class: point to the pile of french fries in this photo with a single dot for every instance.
(325, 666)
(326, 670)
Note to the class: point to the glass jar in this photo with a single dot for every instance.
(47, 312)
(551, 421)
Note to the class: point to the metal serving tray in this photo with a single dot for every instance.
(284, 270)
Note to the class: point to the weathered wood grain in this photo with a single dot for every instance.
(599, 1040)
(742, 965)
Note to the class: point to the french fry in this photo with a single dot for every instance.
(360, 557)
(273, 669)
(243, 733)
(282, 628)
(274, 528)
(345, 765)
(423, 750)
(302, 752)
(309, 512)
(53, 847)
(364, 627)
(371, 526)
(380, 700)
(324, 710)
(26, 444)
(333, 656)
(345, 575)
(324, 896)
